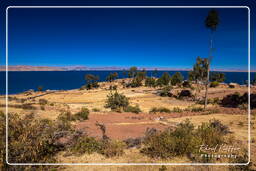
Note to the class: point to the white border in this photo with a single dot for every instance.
(181, 164)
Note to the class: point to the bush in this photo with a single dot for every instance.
(171, 143)
(234, 100)
(177, 110)
(160, 110)
(91, 81)
(116, 101)
(95, 109)
(28, 106)
(150, 82)
(177, 78)
(197, 109)
(66, 116)
(113, 148)
(83, 114)
(87, 145)
(164, 80)
(43, 101)
(209, 134)
(184, 140)
(133, 109)
(214, 84)
(114, 87)
(31, 140)
(166, 92)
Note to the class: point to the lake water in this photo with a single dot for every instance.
(20, 81)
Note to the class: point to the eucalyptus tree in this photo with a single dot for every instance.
(211, 22)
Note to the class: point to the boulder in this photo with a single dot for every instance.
(233, 85)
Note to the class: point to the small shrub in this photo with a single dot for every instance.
(133, 109)
(83, 114)
(163, 168)
(28, 106)
(113, 87)
(241, 123)
(87, 145)
(177, 110)
(66, 116)
(193, 108)
(116, 101)
(243, 106)
(166, 91)
(214, 84)
(184, 140)
(160, 110)
(150, 82)
(95, 109)
(171, 143)
(42, 107)
(113, 148)
(43, 101)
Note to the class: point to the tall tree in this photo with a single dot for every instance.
(199, 72)
(155, 72)
(176, 78)
(132, 72)
(211, 22)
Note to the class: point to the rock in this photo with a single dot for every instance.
(233, 85)
(185, 93)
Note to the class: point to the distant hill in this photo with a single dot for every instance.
(84, 68)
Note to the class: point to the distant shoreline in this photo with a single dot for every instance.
(83, 68)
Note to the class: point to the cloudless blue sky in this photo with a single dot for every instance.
(126, 37)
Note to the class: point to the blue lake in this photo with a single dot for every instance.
(20, 81)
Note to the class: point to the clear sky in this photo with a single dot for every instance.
(126, 37)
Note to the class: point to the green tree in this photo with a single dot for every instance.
(219, 77)
(211, 22)
(116, 101)
(132, 72)
(137, 80)
(164, 79)
(150, 82)
(112, 76)
(177, 78)
(199, 72)
(124, 73)
(155, 72)
(40, 88)
(91, 81)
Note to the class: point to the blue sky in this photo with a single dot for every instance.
(126, 37)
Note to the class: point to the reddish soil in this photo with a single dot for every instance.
(120, 125)
(129, 125)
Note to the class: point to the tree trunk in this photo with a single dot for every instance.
(206, 88)
(208, 70)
